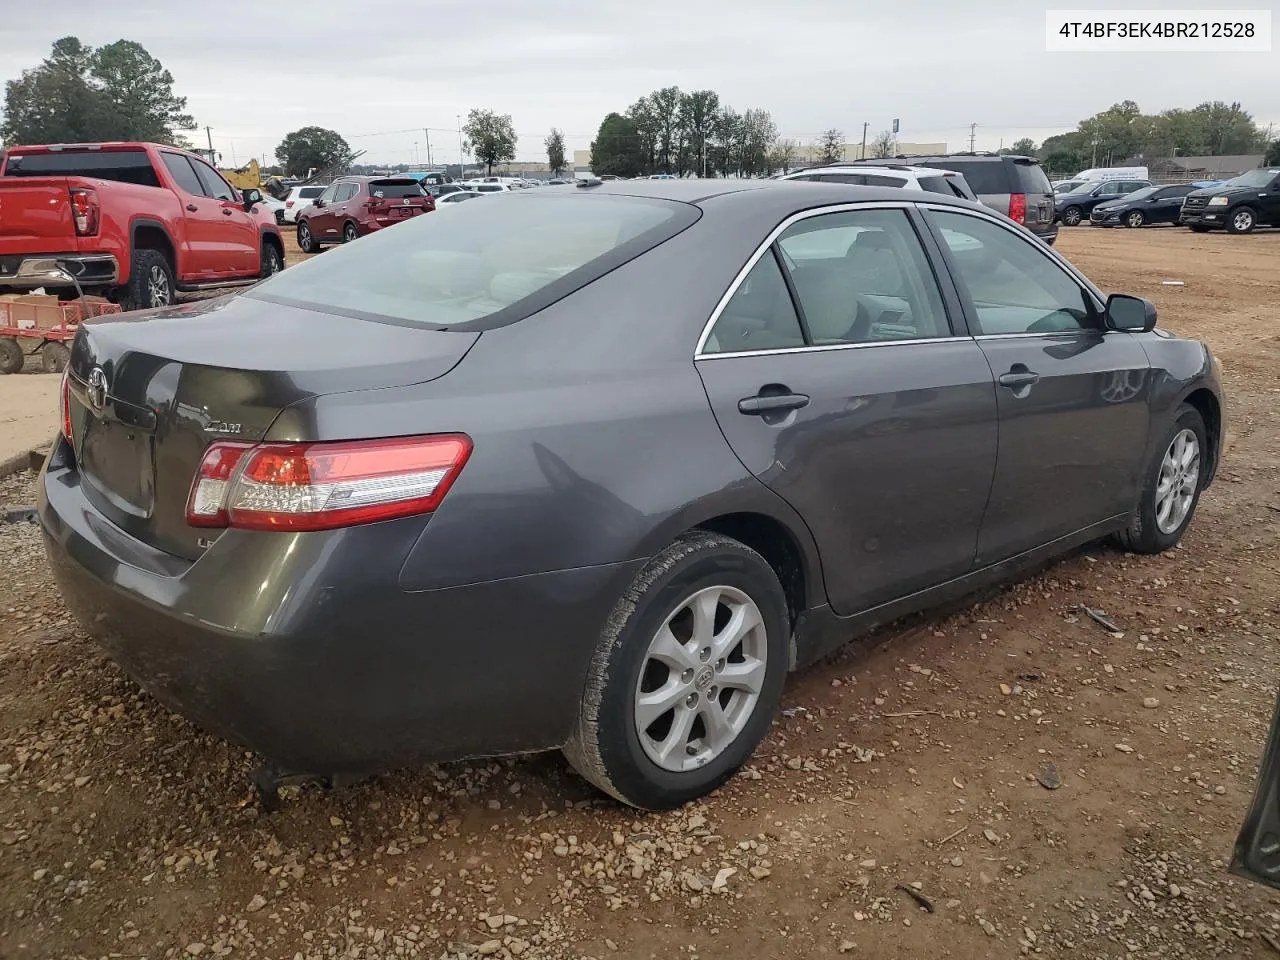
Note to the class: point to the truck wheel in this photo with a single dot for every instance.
(54, 357)
(11, 355)
(150, 282)
(272, 262)
(307, 242)
(1241, 220)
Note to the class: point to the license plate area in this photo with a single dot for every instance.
(118, 460)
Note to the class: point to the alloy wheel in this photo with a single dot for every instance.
(1072, 217)
(701, 678)
(349, 232)
(1135, 219)
(1243, 221)
(1179, 478)
(158, 291)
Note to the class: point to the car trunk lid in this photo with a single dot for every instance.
(149, 392)
(397, 198)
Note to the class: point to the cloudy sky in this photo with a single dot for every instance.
(378, 73)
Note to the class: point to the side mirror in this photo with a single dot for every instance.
(1130, 314)
(250, 197)
(317, 202)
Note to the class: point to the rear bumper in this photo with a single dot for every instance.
(303, 647)
(32, 270)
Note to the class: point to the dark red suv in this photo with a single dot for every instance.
(351, 207)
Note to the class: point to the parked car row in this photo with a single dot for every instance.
(1237, 205)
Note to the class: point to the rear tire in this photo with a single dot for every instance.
(150, 282)
(54, 357)
(1071, 216)
(307, 242)
(349, 232)
(709, 706)
(11, 356)
(1241, 220)
(1171, 488)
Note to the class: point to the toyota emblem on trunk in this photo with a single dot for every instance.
(97, 389)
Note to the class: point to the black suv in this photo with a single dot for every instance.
(1250, 200)
(1014, 186)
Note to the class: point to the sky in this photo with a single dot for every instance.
(379, 74)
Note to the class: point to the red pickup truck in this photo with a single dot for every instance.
(136, 222)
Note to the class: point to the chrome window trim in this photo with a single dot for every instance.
(1099, 301)
(825, 347)
(764, 248)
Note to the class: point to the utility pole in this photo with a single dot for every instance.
(462, 160)
(427, 135)
(863, 154)
(209, 133)
(973, 135)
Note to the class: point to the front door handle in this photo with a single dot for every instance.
(774, 403)
(1019, 378)
(191, 207)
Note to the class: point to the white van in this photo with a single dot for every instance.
(1113, 173)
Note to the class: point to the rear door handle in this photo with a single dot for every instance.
(757, 406)
(1016, 379)
(192, 207)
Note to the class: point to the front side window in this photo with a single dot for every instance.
(329, 193)
(862, 277)
(211, 180)
(1013, 286)
(345, 192)
(499, 261)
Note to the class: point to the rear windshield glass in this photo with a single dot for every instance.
(1030, 177)
(310, 193)
(983, 176)
(499, 260)
(394, 189)
(126, 166)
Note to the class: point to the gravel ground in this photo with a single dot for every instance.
(915, 765)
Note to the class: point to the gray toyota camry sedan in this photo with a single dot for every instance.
(592, 468)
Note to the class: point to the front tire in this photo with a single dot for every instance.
(150, 283)
(307, 242)
(1071, 216)
(272, 262)
(1171, 488)
(1135, 219)
(1242, 220)
(687, 675)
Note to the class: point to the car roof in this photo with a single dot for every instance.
(781, 196)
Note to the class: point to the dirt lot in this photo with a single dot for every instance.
(910, 759)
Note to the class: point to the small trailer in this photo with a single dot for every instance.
(38, 323)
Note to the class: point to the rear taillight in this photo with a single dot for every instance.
(67, 430)
(319, 486)
(85, 210)
(288, 204)
(1018, 207)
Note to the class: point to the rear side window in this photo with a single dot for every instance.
(984, 176)
(494, 262)
(1029, 177)
(124, 166)
(935, 185)
(878, 180)
(394, 189)
(759, 315)
(310, 193)
(182, 173)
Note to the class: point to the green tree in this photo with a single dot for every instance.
(830, 146)
(1273, 154)
(783, 156)
(1116, 133)
(555, 151)
(697, 118)
(1226, 128)
(137, 94)
(1024, 147)
(54, 102)
(617, 148)
(491, 137)
(1065, 153)
(311, 148)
